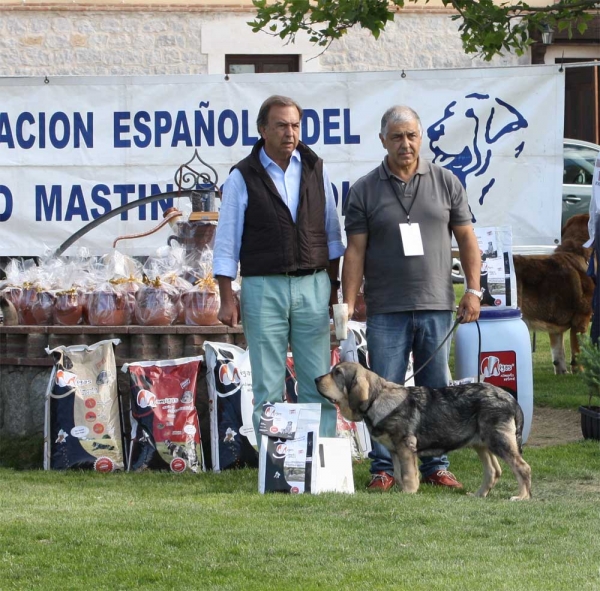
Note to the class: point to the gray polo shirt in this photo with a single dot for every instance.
(436, 201)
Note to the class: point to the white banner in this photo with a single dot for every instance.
(75, 148)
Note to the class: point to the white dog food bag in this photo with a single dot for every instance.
(229, 379)
(333, 464)
(498, 277)
(289, 435)
(286, 465)
(83, 425)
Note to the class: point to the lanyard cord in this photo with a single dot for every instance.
(397, 194)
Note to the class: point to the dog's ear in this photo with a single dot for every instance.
(359, 391)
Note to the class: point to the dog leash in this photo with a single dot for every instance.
(374, 427)
(454, 326)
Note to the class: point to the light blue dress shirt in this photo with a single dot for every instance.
(228, 239)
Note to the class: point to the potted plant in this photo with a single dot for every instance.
(589, 359)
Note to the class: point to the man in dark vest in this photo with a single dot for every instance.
(279, 221)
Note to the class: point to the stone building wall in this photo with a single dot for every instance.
(112, 41)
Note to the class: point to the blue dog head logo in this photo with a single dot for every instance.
(465, 139)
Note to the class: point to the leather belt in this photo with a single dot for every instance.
(302, 272)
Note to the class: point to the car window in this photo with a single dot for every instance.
(578, 165)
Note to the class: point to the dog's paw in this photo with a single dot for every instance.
(520, 498)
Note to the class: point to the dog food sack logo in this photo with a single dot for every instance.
(500, 369)
(228, 377)
(146, 399)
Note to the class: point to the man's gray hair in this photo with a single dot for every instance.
(276, 100)
(399, 114)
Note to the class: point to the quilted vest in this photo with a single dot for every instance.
(271, 242)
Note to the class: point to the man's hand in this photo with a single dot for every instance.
(353, 269)
(228, 313)
(468, 308)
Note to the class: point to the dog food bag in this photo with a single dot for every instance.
(289, 439)
(286, 465)
(165, 431)
(284, 420)
(83, 411)
(333, 464)
(498, 278)
(229, 378)
(359, 332)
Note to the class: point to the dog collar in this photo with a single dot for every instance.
(374, 427)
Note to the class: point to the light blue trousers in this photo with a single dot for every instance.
(277, 310)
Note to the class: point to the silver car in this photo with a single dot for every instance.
(578, 172)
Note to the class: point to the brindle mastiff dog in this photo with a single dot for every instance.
(419, 421)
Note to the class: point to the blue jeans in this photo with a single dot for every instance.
(390, 339)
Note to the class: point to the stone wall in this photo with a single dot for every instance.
(100, 43)
(415, 40)
(84, 40)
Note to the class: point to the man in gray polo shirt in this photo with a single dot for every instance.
(400, 218)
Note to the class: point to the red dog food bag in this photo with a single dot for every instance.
(165, 431)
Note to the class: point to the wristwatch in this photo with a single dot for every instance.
(477, 294)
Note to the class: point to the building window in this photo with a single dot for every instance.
(261, 64)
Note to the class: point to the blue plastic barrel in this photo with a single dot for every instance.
(505, 356)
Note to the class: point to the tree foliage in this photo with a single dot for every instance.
(486, 28)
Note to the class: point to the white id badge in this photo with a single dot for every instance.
(411, 240)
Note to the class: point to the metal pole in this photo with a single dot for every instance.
(119, 210)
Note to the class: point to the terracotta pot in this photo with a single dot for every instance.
(130, 288)
(108, 308)
(42, 308)
(156, 306)
(68, 309)
(201, 308)
(180, 311)
(85, 314)
(28, 298)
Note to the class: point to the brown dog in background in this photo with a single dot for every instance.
(419, 421)
(555, 293)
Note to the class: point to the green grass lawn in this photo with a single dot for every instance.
(62, 531)
(214, 531)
